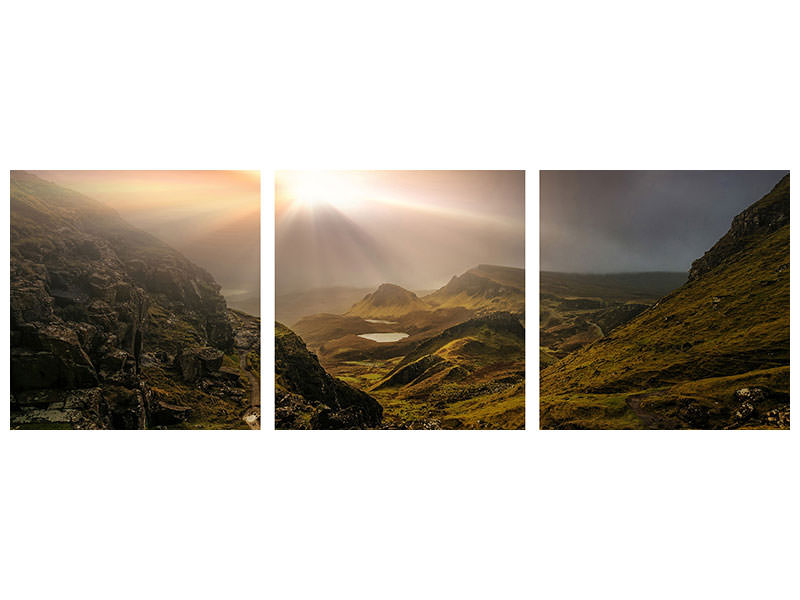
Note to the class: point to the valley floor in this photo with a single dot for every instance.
(491, 403)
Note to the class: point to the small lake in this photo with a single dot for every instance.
(383, 337)
(381, 321)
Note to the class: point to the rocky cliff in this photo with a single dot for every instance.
(99, 311)
(307, 397)
(748, 227)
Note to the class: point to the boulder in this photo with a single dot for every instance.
(30, 302)
(54, 358)
(220, 332)
(754, 395)
(101, 287)
(126, 407)
(117, 360)
(163, 413)
(195, 363)
(749, 399)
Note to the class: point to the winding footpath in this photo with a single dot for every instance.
(252, 415)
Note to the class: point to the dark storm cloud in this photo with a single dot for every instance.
(617, 221)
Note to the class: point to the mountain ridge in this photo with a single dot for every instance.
(677, 363)
(485, 288)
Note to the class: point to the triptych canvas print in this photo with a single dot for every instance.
(400, 300)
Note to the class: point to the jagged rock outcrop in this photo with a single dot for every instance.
(195, 363)
(92, 300)
(307, 397)
(762, 218)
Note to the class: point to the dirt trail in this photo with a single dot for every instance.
(253, 414)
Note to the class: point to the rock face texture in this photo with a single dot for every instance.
(95, 305)
(194, 363)
(757, 221)
(307, 397)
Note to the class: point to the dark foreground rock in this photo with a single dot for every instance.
(196, 363)
(307, 397)
(99, 313)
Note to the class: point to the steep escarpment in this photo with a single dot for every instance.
(749, 227)
(110, 327)
(484, 289)
(684, 361)
(307, 397)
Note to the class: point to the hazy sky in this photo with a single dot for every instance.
(212, 217)
(412, 228)
(617, 221)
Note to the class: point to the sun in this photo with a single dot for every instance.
(313, 189)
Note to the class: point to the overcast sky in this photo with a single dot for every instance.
(413, 228)
(622, 221)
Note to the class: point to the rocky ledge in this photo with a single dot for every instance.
(762, 218)
(104, 317)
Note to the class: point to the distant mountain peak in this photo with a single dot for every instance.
(389, 300)
(391, 288)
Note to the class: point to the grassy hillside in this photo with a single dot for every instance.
(578, 309)
(470, 376)
(676, 364)
(461, 366)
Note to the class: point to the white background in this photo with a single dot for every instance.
(460, 85)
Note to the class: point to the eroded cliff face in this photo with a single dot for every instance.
(307, 397)
(755, 222)
(95, 304)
